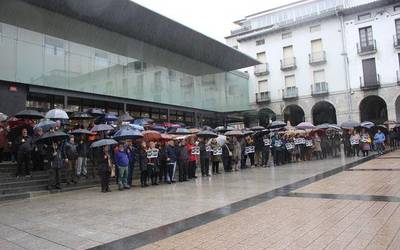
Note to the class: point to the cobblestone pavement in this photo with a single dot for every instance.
(355, 209)
(87, 218)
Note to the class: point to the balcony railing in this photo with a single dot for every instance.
(319, 88)
(240, 30)
(374, 84)
(263, 97)
(288, 63)
(366, 49)
(317, 58)
(290, 93)
(261, 69)
(396, 41)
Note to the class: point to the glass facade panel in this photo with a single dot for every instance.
(39, 59)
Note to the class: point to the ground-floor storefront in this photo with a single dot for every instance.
(15, 97)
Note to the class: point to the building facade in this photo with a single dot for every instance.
(82, 54)
(324, 61)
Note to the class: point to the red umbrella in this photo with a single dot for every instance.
(152, 135)
(166, 137)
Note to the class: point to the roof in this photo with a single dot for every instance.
(132, 20)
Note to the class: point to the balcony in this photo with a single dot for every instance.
(288, 63)
(263, 97)
(371, 85)
(366, 49)
(290, 93)
(319, 88)
(317, 58)
(261, 69)
(396, 41)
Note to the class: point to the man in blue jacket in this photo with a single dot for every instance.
(122, 163)
(379, 140)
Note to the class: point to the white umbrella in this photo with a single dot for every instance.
(57, 114)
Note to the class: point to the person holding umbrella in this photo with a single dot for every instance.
(131, 150)
(104, 167)
(142, 158)
(55, 165)
(39, 151)
(171, 158)
(81, 162)
(122, 162)
(183, 161)
(153, 162)
(237, 154)
(70, 153)
(365, 142)
(23, 145)
(379, 140)
(3, 140)
(192, 159)
(204, 158)
(216, 155)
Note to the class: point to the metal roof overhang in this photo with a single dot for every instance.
(132, 20)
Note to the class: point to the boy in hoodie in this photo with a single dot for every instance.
(122, 163)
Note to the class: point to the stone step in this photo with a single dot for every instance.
(10, 197)
(21, 183)
(37, 175)
(23, 189)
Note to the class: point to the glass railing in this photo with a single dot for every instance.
(319, 88)
(290, 92)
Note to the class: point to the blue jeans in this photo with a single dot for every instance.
(122, 176)
(379, 147)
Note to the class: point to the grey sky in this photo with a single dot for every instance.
(211, 17)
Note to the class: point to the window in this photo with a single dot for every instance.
(53, 46)
(262, 57)
(290, 81)
(101, 59)
(316, 46)
(319, 76)
(287, 52)
(397, 24)
(157, 77)
(260, 42)
(125, 87)
(366, 38)
(172, 75)
(364, 16)
(396, 8)
(286, 35)
(262, 86)
(315, 28)
(369, 72)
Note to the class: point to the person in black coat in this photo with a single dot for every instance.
(204, 158)
(23, 146)
(183, 161)
(56, 163)
(142, 155)
(104, 168)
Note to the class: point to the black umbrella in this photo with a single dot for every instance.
(257, 128)
(277, 124)
(29, 114)
(207, 134)
(80, 116)
(350, 124)
(126, 134)
(222, 129)
(50, 137)
(96, 112)
(248, 132)
(81, 132)
(101, 128)
(103, 142)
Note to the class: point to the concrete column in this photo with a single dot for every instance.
(124, 107)
(65, 102)
(168, 119)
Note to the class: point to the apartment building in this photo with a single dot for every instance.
(323, 61)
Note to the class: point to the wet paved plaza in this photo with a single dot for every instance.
(232, 210)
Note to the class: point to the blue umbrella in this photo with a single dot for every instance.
(45, 125)
(109, 117)
(143, 121)
(138, 127)
(126, 134)
(159, 128)
(101, 128)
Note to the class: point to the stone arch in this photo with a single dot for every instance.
(323, 112)
(293, 113)
(373, 108)
(265, 115)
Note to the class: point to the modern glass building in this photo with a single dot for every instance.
(116, 55)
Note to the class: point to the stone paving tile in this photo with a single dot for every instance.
(91, 218)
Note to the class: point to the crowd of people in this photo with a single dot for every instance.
(177, 159)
